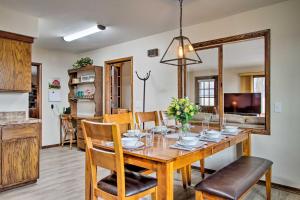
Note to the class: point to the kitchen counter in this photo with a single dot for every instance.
(4, 122)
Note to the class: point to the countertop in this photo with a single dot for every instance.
(19, 121)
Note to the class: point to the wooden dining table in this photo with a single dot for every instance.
(164, 160)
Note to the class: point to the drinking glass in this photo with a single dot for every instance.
(149, 138)
(165, 122)
(205, 125)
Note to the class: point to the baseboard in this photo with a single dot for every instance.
(282, 187)
(261, 182)
(50, 146)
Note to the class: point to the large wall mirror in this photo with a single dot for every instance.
(232, 85)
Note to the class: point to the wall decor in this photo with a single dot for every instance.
(54, 90)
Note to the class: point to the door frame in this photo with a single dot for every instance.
(39, 95)
(107, 109)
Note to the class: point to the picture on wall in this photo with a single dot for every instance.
(54, 90)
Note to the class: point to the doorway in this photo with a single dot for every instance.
(119, 85)
(35, 95)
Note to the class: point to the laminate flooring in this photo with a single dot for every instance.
(62, 178)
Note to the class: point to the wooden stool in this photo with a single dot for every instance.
(68, 128)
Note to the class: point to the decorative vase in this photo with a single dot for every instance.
(184, 129)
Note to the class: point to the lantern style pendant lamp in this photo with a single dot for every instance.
(180, 52)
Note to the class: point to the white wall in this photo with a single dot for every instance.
(282, 146)
(54, 65)
(15, 22)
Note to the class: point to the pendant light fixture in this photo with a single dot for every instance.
(180, 52)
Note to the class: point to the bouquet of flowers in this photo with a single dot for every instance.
(183, 111)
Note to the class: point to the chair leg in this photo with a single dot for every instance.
(268, 183)
(198, 195)
(71, 140)
(188, 175)
(202, 168)
(154, 195)
(63, 142)
(184, 177)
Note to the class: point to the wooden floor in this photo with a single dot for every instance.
(62, 178)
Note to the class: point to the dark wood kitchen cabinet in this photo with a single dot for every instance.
(20, 146)
(15, 62)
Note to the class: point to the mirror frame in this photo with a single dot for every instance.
(218, 43)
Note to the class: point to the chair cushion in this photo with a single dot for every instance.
(234, 180)
(134, 183)
(134, 168)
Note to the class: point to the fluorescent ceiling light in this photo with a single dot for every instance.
(84, 33)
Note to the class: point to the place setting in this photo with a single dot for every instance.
(188, 143)
(230, 130)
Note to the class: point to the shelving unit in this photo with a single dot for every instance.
(96, 85)
(96, 98)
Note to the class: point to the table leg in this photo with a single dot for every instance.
(202, 168)
(87, 178)
(247, 146)
(165, 181)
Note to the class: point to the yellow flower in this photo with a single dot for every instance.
(178, 113)
(186, 110)
(177, 107)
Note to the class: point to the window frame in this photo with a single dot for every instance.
(216, 93)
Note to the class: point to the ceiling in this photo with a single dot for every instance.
(125, 19)
(242, 54)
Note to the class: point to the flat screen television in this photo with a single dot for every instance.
(242, 103)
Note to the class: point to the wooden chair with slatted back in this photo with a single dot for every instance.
(113, 186)
(69, 130)
(125, 121)
(142, 117)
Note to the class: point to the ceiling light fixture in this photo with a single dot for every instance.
(180, 52)
(84, 33)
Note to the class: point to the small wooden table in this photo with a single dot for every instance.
(164, 160)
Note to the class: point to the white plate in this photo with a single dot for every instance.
(199, 144)
(138, 144)
(130, 135)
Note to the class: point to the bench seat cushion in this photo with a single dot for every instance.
(234, 180)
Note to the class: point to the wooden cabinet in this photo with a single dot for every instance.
(15, 63)
(80, 137)
(19, 154)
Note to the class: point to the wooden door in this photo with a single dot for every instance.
(20, 154)
(15, 65)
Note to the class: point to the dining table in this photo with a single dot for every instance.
(163, 159)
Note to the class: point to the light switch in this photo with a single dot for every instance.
(278, 107)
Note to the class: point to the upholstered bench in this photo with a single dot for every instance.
(234, 180)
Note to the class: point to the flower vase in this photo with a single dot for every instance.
(184, 129)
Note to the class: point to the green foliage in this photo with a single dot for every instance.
(82, 62)
(182, 110)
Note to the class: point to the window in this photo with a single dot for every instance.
(259, 87)
(206, 91)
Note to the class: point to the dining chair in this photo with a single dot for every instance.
(142, 117)
(163, 116)
(120, 184)
(125, 122)
(69, 130)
